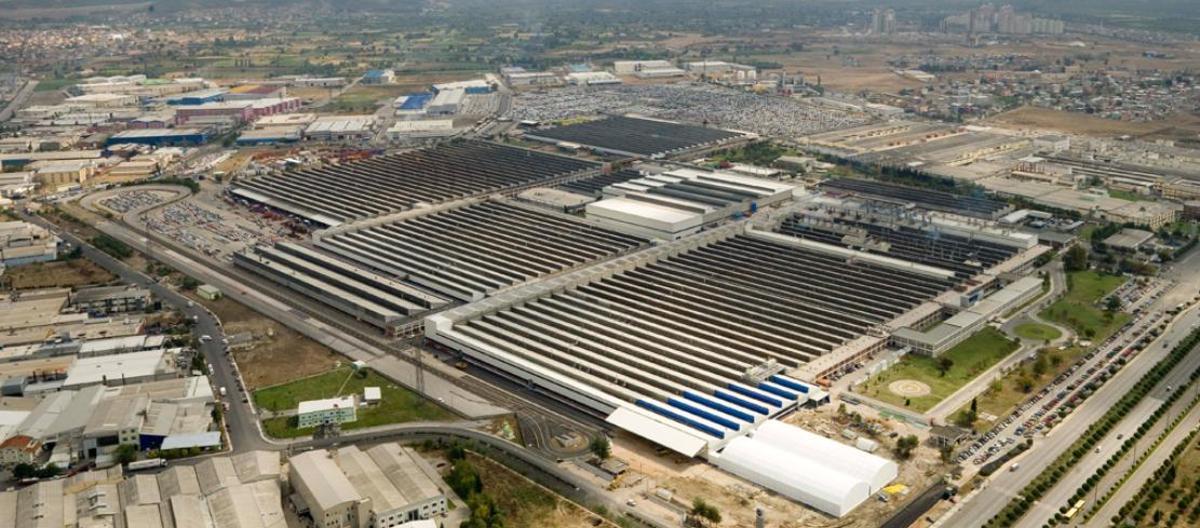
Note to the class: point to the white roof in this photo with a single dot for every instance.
(825, 474)
(645, 214)
(372, 394)
(323, 479)
(658, 431)
(91, 370)
(325, 405)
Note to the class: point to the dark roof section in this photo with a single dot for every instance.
(926, 198)
(633, 136)
(388, 184)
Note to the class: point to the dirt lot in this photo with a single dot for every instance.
(60, 274)
(1074, 123)
(278, 354)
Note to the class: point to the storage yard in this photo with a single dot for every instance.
(390, 184)
(626, 136)
(690, 103)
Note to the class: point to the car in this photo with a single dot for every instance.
(205, 338)
(631, 503)
(1015, 466)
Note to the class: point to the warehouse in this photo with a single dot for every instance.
(446, 102)
(381, 487)
(594, 185)
(365, 295)
(198, 97)
(161, 137)
(636, 137)
(926, 198)
(389, 184)
(822, 473)
(341, 128)
(422, 129)
(473, 251)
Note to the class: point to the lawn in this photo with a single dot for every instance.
(1126, 195)
(399, 404)
(1078, 308)
(970, 358)
(50, 85)
(1037, 332)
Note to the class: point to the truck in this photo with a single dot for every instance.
(149, 463)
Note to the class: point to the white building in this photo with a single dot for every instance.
(446, 102)
(332, 410)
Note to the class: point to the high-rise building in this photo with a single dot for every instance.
(883, 21)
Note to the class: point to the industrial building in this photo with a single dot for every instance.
(422, 129)
(592, 79)
(925, 198)
(341, 128)
(161, 137)
(360, 293)
(636, 137)
(180, 497)
(382, 487)
(312, 413)
(472, 251)
(660, 321)
(105, 300)
(446, 102)
(679, 202)
(389, 184)
(24, 243)
(648, 69)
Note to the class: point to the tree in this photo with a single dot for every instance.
(126, 453)
(464, 479)
(1076, 259)
(704, 512)
(24, 471)
(905, 446)
(601, 447)
(944, 364)
(1112, 305)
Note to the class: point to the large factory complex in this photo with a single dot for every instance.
(689, 306)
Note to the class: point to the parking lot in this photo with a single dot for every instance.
(693, 103)
(211, 229)
(134, 200)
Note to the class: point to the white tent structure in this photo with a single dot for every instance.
(812, 469)
(874, 470)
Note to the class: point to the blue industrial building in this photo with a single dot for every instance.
(198, 97)
(161, 137)
(415, 101)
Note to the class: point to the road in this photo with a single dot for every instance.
(975, 510)
(18, 101)
(242, 424)
(1133, 484)
(1090, 463)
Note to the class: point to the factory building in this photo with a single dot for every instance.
(422, 129)
(592, 79)
(648, 69)
(341, 128)
(446, 102)
(362, 294)
(636, 137)
(473, 87)
(198, 97)
(105, 300)
(518, 77)
(382, 487)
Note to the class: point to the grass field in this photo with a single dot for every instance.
(970, 358)
(1037, 331)
(1008, 392)
(1078, 310)
(50, 85)
(57, 274)
(399, 404)
(1126, 195)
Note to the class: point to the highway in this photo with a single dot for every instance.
(18, 101)
(976, 509)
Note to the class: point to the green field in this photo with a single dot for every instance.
(50, 85)
(1078, 309)
(399, 404)
(1037, 332)
(970, 358)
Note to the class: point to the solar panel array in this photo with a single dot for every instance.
(473, 251)
(643, 137)
(927, 198)
(964, 256)
(386, 184)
